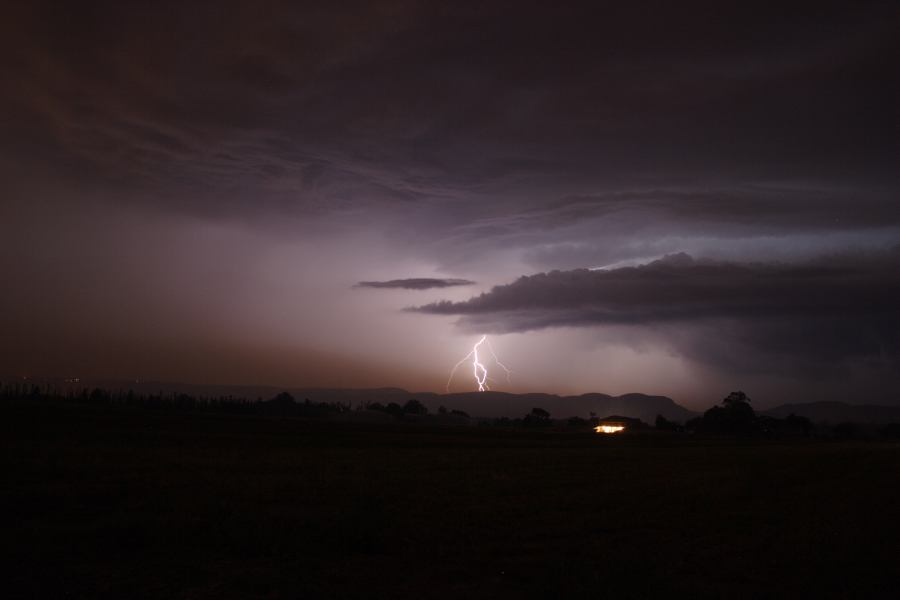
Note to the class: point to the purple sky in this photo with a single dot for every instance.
(670, 198)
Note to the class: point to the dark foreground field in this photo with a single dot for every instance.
(128, 503)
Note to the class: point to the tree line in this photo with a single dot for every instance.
(734, 416)
(282, 404)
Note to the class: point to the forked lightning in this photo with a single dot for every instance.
(478, 369)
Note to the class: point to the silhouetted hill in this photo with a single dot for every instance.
(500, 404)
(476, 404)
(479, 404)
(838, 412)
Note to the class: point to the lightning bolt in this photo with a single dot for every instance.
(497, 360)
(478, 369)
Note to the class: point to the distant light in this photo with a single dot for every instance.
(609, 428)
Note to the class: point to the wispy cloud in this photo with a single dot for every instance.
(417, 283)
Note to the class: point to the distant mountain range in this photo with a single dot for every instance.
(501, 404)
(476, 404)
(494, 404)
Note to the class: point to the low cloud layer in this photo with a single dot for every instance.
(824, 311)
(417, 283)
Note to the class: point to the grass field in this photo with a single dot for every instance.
(129, 504)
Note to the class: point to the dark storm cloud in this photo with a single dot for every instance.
(789, 209)
(842, 307)
(602, 228)
(289, 107)
(418, 283)
(218, 105)
(680, 288)
(485, 139)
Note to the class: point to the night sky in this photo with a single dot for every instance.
(672, 198)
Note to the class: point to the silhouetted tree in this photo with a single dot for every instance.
(735, 398)
(770, 426)
(414, 407)
(798, 425)
(845, 430)
(538, 417)
(281, 404)
(695, 424)
(459, 413)
(663, 424)
(735, 415)
(283, 398)
(394, 409)
(97, 396)
(577, 422)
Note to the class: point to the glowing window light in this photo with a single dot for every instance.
(609, 428)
